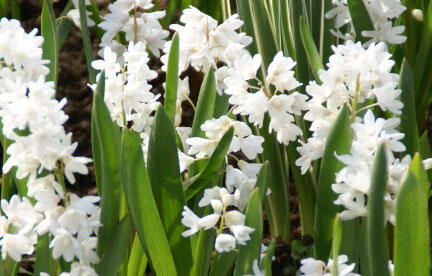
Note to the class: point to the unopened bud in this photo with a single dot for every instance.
(417, 14)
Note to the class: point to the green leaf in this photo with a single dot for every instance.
(172, 79)
(263, 179)
(50, 45)
(117, 248)
(203, 250)
(16, 11)
(408, 124)
(267, 261)
(411, 253)
(338, 142)
(360, 18)
(205, 104)
(223, 263)
(140, 201)
(3, 8)
(43, 255)
(336, 243)
(311, 49)
(64, 25)
(86, 41)
(166, 183)
(138, 259)
(195, 184)
(375, 221)
(106, 149)
(254, 219)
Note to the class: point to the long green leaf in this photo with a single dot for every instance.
(64, 25)
(117, 248)
(205, 104)
(43, 255)
(139, 197)
(137, 260)
(411, 253)
(106, 148)
(203, 250)
(336, 243)
(311, 49)
(408, 117)
(50, 35)
(166, 183)
(195, 184)
(223, 263)
(267, 261)
(172, 78)
(251, 251)
(360, 18)
(339, 142)
(86, 41)
(375, 235)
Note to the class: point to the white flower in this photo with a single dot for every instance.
(64, 244)
(16, 245)
(225, 243)
(78, 269)
(279, 73)
(241, 233)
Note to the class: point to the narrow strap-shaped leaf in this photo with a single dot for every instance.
(251, 251)
(166, 183)
(360, 18)
(223, 263)
(16, 10)
(351, 245)
(408, 124)
(64, 25)
(327, 39)
(423, 55)
(266, 262)
(119, 243)
(338, 142)
(263, 180)
(277, 203)
(107, 150)
(411, 252)
(203, 250)
(3, 8)
(195, 184)
(312, 53)
(375, 236)
(172, 78)
(205, 104)
(86, 41)
(139, 197)
(50, 45)
(336, 243)
(137, 260)
(305, 191)
(43, 255)
(297, 9)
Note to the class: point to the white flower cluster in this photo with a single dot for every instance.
(280, 107)
(127, 89)
(203, 43)
(128, 17)
(42, 152)
(353, 181)
(243, 140)
(221, 219)
(382, 14)
(354, 76)
(312, 267)
(76, 270)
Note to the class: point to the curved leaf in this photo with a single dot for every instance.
(140, 201)
(375, 233)
(165, 179)
(411, 252)
(338, 142)
(170, 100)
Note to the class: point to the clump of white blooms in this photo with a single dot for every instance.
(41, 152)
(203, 43)
(271, 96)
(129, 17)
(312, 267)
(354, 75)
(383, 14)
(243, 139)
(221, 219)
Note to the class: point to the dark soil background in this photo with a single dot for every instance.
(72, 84)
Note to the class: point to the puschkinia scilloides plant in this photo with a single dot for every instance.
(328, 97)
